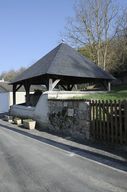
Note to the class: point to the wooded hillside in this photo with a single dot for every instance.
(10, 75)
(98, 30)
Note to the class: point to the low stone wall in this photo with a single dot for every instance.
(22, 111)
(70, 117)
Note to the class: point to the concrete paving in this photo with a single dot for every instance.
(31, 161)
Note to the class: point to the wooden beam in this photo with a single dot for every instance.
(104, 83)
(52, 84)
(14, 94)
(18, 87)
(76, 87)
(71, 87)
(109, 86)
(64, 87)
(68, 87)
(27, 89)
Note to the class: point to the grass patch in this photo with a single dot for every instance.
(118, 93)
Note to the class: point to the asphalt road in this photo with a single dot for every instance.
(30, 165)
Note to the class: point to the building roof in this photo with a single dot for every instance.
(66, 62)
(6, 87)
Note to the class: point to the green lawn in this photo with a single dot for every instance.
(117, 93)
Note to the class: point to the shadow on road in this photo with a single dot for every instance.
(101, 158)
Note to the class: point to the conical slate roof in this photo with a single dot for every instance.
(64, 61)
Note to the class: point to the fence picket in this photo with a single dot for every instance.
(103, 120)
(100, 120)
(111, 123)
(120, 123)
(109, 120)
(116, 120)
(125, 121)
(93, 120)
(96, 126)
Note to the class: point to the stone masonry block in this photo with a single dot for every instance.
(87, 135)
(59, 103)
(65, 104)
(82, 123)
(70, 112)
(81, 114)
(70, 104)
(83, 105)
(76, 104)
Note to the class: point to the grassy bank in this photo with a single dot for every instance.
(117, 93)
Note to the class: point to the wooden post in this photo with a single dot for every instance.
(14, 94)
(109, 86)
(70, 87)
(27, 89)
(50, 84)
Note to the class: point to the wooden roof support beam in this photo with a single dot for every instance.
(18, 87)
(109, 86)
(27, 89)
(15, 88)
(70, 87)
(14, 94)
(64, 87)
(52, 84)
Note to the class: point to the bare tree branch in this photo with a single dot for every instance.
(93, 26)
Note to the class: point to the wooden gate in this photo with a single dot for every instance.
(109, 121)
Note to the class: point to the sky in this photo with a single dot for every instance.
(29, 29)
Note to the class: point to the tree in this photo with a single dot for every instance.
(10, 75)
(93, 25)
(117, 49)
(121, 45)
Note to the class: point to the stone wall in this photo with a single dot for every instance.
(22, 111)
(70, 117)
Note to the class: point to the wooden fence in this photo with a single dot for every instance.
(109, 121)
